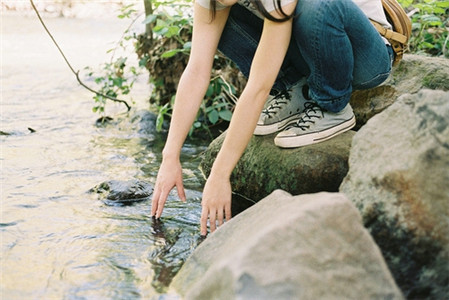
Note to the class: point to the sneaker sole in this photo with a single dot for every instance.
(275, 127)
(315, 137)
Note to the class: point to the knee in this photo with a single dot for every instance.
(319, 15)
(306, 9)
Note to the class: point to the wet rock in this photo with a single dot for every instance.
(264, 167)
(116, 192)
(103, 121)
(399, 180)
(284, 247)
(411, 75)
(147, 123)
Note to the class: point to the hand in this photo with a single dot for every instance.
(169, 175)
(216, 204)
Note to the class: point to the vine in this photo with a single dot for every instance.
(76, 73)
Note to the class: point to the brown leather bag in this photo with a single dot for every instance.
(402, 28)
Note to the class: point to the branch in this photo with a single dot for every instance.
(76, 73)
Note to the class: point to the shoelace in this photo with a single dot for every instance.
(277, 103)
(312, 110)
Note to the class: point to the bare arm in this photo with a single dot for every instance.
(264, 69)
(191, 89)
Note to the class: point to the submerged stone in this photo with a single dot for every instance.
(116, 192)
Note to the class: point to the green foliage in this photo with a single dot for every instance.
(215, 110)
(113, 82)
(430, 24)
(171, 23)
(115, 77)
(216, 107)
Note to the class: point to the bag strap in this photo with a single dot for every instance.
(390, 34)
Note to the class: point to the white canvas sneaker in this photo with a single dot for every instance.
(315, 125)
(282, 109)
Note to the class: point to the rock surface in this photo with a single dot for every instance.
(414, 73)
(303, 247)
(399, 180)
(116, 192)
(398, 172)
(265, 167)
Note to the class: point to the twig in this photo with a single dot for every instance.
(76, 73)
(123, 34)
(444, 45)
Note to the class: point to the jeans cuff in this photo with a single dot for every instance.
(334, 105)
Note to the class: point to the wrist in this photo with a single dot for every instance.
(220, 173)
(170, 155)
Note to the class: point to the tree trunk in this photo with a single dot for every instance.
(148, 11)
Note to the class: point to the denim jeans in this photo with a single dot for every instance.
(333, 45)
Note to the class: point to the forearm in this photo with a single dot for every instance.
(264, 69)
(240, 130)
(195, 78)
(191, 89)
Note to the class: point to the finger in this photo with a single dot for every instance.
(212, 220)
(220, 217)
(204, 214)
(181, 192)
(228, 212)
(154, 201)
(161, 203)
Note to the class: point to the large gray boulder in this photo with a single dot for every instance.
(264, 167)
(284, 247)
(399, 180)
(414, 73)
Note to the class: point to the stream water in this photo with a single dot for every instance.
(57, 240)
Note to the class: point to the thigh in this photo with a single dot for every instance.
(239, 42)
(337, 36)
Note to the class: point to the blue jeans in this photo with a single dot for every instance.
(333, 45)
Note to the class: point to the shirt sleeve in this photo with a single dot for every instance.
(269, 5)
(206, 4)
(374, 11)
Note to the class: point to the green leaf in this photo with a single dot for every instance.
(170, 53)
(171, 31)
(443, 4)
(220, 105)
(416, 26)
(213, 116)
(150, 19)
(118, 81)
(161, 30)
(225, 115)
(439, 10)
(187, 45)
(143, 61)
(159, 122)
(426, 45)
(210, 91)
